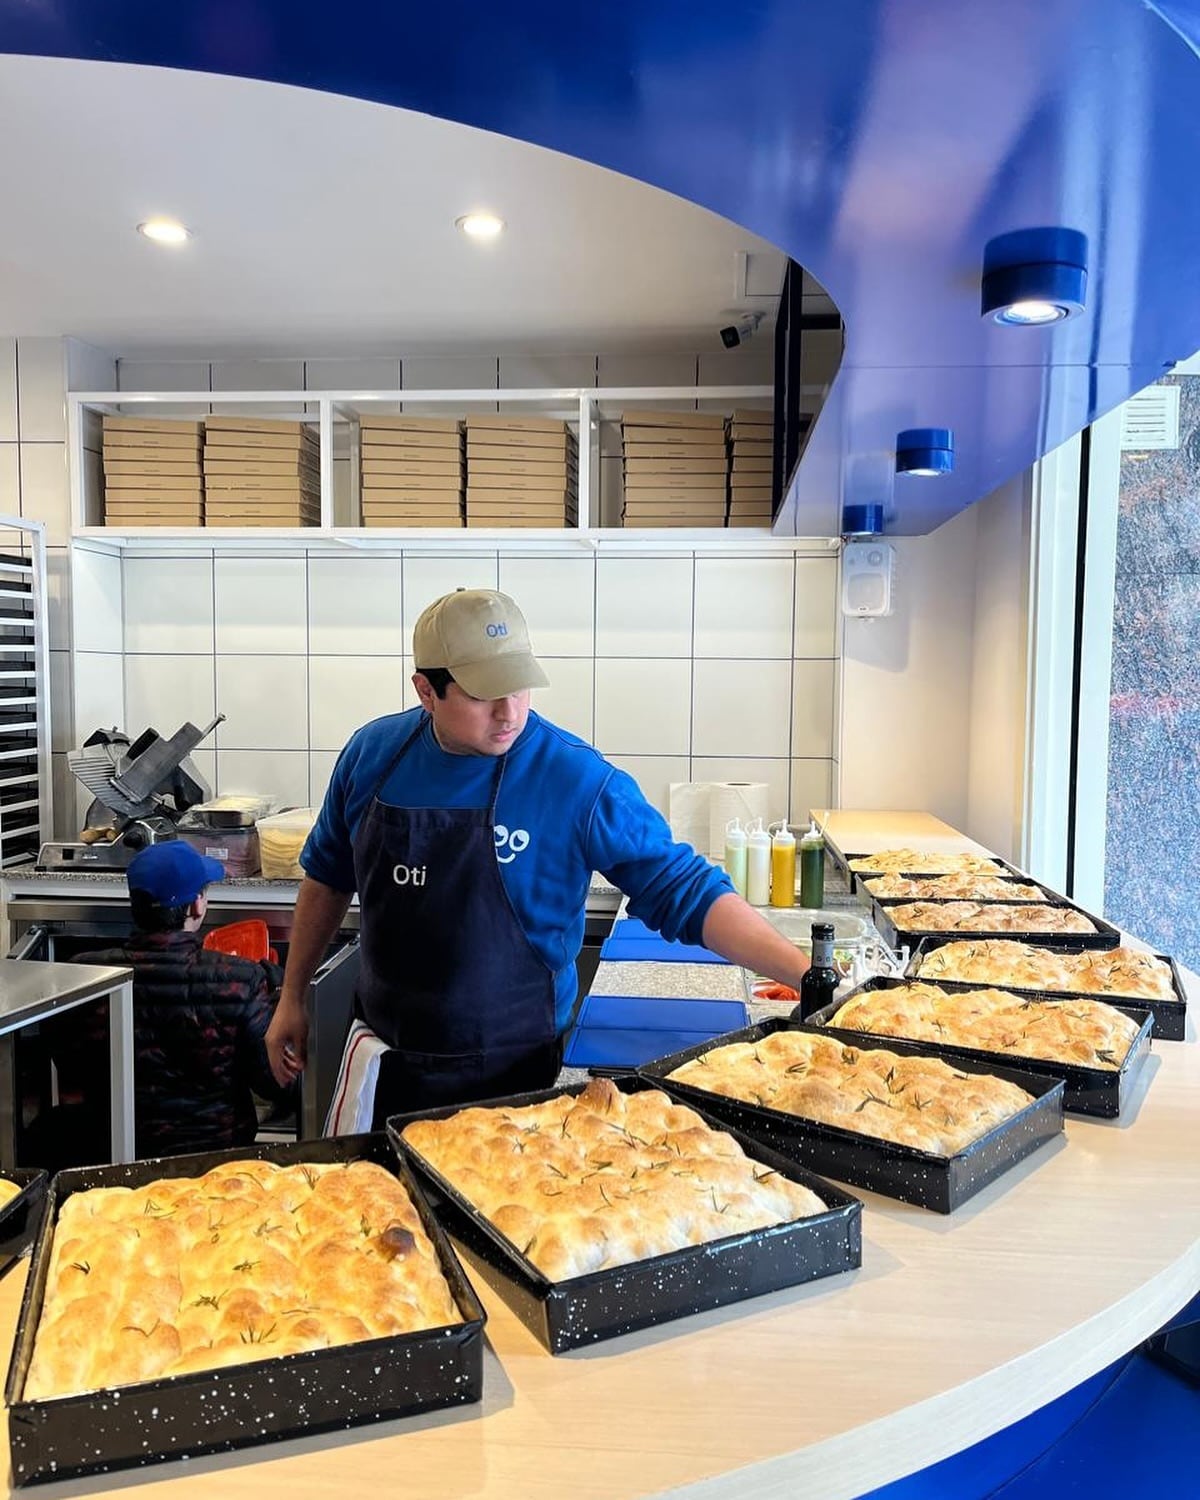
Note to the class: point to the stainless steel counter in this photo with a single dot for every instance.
(96, 904)
(30, 991)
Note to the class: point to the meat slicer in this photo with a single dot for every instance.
(140, 789)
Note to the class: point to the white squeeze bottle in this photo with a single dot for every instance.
(735, 855)
(758, 865)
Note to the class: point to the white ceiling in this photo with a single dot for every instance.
(326, 225)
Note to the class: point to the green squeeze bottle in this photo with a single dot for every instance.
(812, 868)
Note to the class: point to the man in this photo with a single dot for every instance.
(199, 1018)
(470, 828)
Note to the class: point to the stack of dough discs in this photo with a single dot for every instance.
(280, 840)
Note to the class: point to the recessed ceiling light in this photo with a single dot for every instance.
(1034, 277)
(1031, 311)
(480, 226)
(165, 231)
(925, 452)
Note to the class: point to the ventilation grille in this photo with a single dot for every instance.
(1151, 418)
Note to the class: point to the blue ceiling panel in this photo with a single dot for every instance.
(882, 143)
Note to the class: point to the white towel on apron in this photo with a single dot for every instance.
(353, 1104)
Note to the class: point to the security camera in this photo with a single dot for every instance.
(738, 332)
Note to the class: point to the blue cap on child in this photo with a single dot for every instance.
(172, 873)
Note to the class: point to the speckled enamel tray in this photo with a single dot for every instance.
(210, 1412)
(940, 1183)
(895, 936)
(1004, 871)
(1170, 1015)
(21, 1216)
(604, 1304)
(1088, 1091)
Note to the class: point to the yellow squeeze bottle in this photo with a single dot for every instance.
(783, 865)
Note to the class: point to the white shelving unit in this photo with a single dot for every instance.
(25, 774)
(336, 415)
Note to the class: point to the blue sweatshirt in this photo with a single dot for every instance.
(563, 811)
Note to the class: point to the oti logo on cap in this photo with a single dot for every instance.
(496, 630)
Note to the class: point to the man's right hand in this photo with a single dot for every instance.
(287, 1041)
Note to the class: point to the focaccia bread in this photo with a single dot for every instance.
(953, 888)
(581, 1184)
(1108, 971)
(1086, 1032)
(247, 1262)
(911, 862)
(914, 1101)
(986, 916)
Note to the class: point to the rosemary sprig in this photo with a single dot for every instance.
(252, 1336)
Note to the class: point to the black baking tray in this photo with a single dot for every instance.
(1105, 936)
(940, 1183)
(1088, 1091)
(214, 1411)
(1009, 876)
(21, 1217)
(1004, 870)
(1170, 1016)
(605, 1304)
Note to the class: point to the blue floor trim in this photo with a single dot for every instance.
(1131, 1432)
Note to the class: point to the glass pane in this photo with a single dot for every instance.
(1152, 847)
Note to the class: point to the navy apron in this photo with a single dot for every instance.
(448, 978)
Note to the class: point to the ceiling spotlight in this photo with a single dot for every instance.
(165, 231)
(480, 226)
(925, 451)
(1033, 277)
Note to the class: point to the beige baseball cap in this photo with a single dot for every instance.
(479, 636)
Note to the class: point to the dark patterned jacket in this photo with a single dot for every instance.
(199, 1023)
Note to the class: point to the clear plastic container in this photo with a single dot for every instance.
(281, 839)
(851, 935)
(236, 848)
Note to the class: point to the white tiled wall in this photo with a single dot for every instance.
(33, 483)
(679, 667)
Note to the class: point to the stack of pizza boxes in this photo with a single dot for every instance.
(521, 471)
(751, 445)
(152, 473)
(259, 471)
(413, 471)
(676, 468)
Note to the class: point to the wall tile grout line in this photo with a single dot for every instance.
(308, 656)
(595, 628)
(217, 736)
(692, 670)
(792, 694)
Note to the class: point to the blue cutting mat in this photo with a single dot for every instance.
(624, 1031)
(633, 942)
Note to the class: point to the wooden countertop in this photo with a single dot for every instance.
(954, 1327)
(855, 831)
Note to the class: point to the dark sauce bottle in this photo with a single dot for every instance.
(821, 978)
